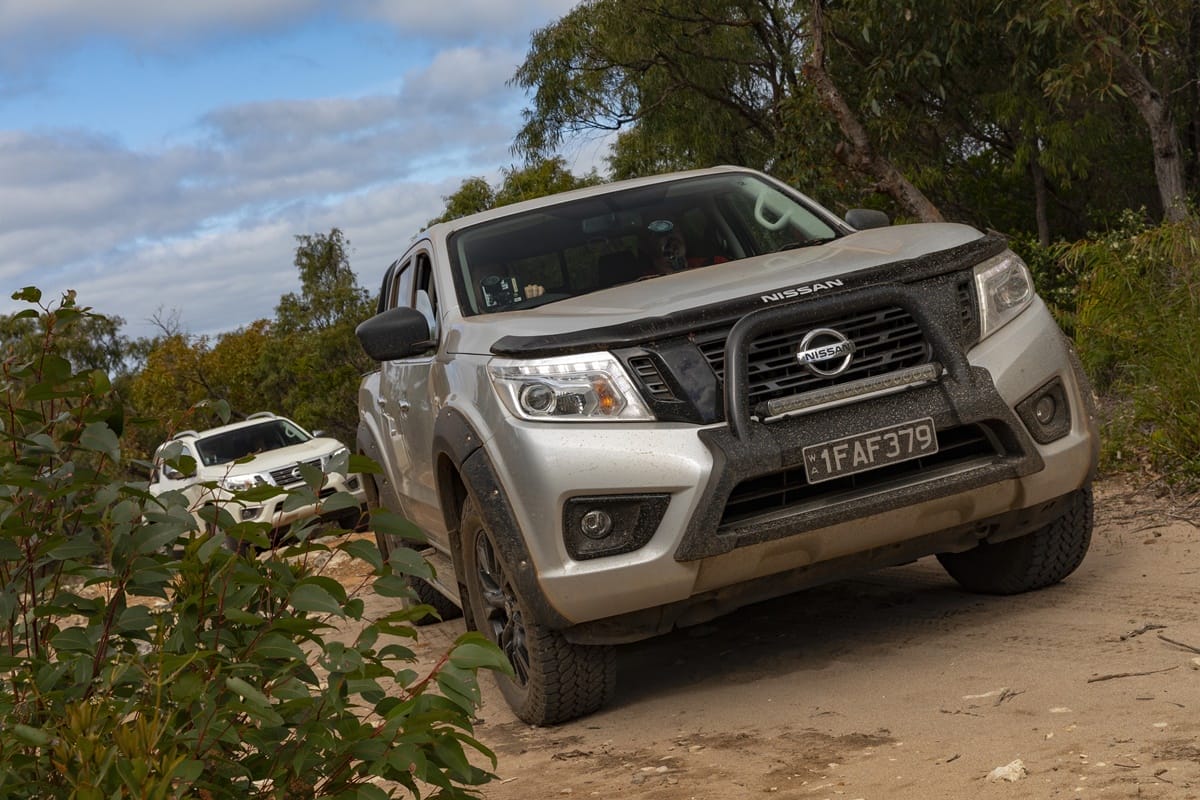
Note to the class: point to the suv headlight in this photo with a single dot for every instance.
(337, 461)
(1005, 289)
(240, 483)
(592, 387)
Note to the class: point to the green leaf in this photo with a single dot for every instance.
(313, 598)
(406, 561)
(459, 687)
(28, 294)
(392, 524)
(339, 501)
(240, 616)
(274, 645)
(99, 437)
(476, 652)
(247, 691)
(188, 771)
(35, 737)
(363, 550)
(74, 639)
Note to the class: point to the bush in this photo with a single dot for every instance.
(1138, 329)
(141, 659)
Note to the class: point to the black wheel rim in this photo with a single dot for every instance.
(501, 621)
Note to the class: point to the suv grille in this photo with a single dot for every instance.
(285, 476)
(790, 488)
(885, 340)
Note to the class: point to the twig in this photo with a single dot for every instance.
(1099, 678)
(1150, 626)
(1007, 694)
(1181, 645)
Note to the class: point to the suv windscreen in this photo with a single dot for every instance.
(221, 448)
(569, 249)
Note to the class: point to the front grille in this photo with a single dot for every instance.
(790, 488)
(885, 340)
(285, 476)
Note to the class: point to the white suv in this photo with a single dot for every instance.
(263, 450)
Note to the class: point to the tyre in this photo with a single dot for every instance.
(553, 680)
(1033, 561)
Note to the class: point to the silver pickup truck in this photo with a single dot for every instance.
(635, 407)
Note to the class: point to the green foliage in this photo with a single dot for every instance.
(538, 178)
(314, 362)
(306, 363)
(1138, 329)
(991, 110)
(141, 659)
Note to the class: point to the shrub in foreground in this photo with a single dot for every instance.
(141, 659)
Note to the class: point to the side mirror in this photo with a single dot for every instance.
(172, 474)
(863, 218)
(396, 333)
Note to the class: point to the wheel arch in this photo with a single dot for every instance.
(464, 469)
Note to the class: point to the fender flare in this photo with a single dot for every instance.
(458, 450)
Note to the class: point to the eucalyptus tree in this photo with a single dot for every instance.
(1141, 50)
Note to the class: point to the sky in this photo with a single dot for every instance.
(159, 157)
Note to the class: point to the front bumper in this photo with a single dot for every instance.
(279, 512)
(699, 548)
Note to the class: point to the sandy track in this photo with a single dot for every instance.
(899, 685)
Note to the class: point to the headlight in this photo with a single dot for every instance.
(1004, 288)
(240, 483)
(337, 461)
(593, 387)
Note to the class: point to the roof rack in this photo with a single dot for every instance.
(261, 415)
(182, 434)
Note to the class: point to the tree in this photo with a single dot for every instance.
(538, 178)
(719, 81)
(472, 196)
(1140, 50)
(312, 361)
(864, 156)
(940, 106)
(89, 342)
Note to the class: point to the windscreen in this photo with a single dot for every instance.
(582, 246)
(221, 448)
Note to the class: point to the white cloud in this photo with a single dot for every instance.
(454, 19)
(152, 21)
(206, 226)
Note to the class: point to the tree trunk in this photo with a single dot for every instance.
(1164, 138)
(1039, 197)
(862, 156)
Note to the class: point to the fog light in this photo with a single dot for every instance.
(1044, 409)
(605, 525)
(1045, 412)
(596, 524)
(250, 512)
(352, 484)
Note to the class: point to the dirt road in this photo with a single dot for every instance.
(899, 685)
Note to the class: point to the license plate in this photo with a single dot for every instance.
(837, 458)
